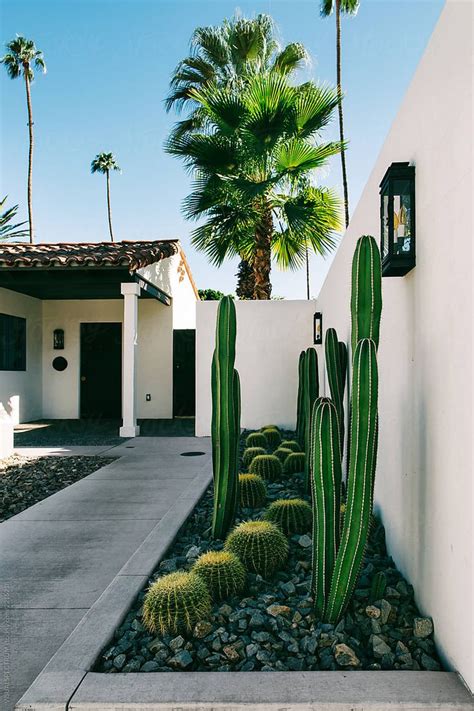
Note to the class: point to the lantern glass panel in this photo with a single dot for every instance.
(402, 237)
(385, 225)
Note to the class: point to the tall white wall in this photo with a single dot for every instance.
(20, 391)
(424, 473)
(270, 337)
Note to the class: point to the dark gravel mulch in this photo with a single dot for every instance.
(25, 481)
(272, 626)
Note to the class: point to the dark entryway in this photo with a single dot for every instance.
(101, 370)
(184, 377)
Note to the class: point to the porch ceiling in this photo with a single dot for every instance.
(69, 283)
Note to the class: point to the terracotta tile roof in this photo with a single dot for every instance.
(133, 255)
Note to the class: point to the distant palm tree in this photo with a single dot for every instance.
(227, 56)
(104, 163)
(348, 7)
(8, 231)
(21, 56)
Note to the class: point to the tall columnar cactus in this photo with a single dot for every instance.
(366, 298)
(361, 478)
(336, 364)
(299, 402)
(325, 494)
(310, 395)
(225, 425)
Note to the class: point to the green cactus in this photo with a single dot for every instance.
(225, 425)
(291, 515)
(336, 363)
(299, 401)
(267, 466)
(253, 491)
(269, 427)
(250, 453)
(290, 444)
(325, 490)
(366, 298)
(363, 448)
(282, 453)
(256, 439)
(222, 572)
(260, 545)
(377, 589)
(272, 436)
(294, 463)
(175, 602)
(311, 392)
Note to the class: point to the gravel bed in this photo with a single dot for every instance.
(24, 481)
(271, 627)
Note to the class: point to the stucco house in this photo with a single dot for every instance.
(96, 330)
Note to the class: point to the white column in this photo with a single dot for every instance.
(130, 292)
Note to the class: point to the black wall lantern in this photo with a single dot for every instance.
(397, 220)
(58, 339)
(318, 328)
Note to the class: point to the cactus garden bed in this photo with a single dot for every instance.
(270, 625)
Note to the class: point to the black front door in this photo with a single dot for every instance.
(184, 377)
(101, 370)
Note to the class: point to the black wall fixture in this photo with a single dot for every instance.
(60, 363)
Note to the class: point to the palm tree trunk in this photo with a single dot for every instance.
(245, 280)
(30, 153)
(307, 275)
(109, 211)
(341, 118)
(262, 262)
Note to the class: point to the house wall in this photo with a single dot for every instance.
(270, 337)
(424, 473)
(154, 360)
(20, 391)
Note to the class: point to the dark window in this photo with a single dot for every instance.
(12, 342)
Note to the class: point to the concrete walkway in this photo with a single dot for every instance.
(57, 557)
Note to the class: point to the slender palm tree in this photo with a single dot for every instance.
(21, 57)
(253, 162)
(8, 231)
(348, 7)
(226, 56)
(104, 163)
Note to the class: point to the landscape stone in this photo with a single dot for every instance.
(345, 656)
(422, 626)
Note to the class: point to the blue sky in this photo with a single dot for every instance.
(109, 63)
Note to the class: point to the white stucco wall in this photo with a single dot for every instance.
(424, 474)
(155, 354)
(270, 337)
(20, 391)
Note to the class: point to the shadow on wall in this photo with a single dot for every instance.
(11, 411)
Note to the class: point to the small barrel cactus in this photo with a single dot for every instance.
(291, 515)
(253, 491)
(282, 453)
(250, 453)
(270, 427)
(222, 572)
(272, 436)
(291, 444)
(256, 439)
(267, 466)
(294, 463)
(261, 546)
(175, 603)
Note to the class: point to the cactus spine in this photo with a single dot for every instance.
(366, 297)
(360, 480)
(336, 364)
(311, 392)
(225, 425)
(325, 490)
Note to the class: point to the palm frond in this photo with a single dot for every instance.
(291, 58)
(8, 231)
(222, 107)
(297, 156)
(212, 153)
(104, 162)
(314, 108)
(209, 42)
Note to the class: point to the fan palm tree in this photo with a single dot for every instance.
(21, 57)
(8, 231)
(226, 56)
(104, 163)
(253, 162)
(348, 7)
